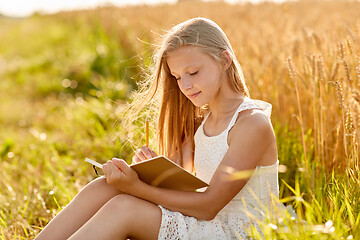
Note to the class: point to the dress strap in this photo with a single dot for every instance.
(247, 104)
(206, 117)
(208, 114)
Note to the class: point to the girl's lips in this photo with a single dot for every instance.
(194, 95)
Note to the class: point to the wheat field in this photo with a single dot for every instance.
(64, 79)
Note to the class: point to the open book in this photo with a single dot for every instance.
(162, 172)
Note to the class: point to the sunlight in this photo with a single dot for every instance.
(23, 8)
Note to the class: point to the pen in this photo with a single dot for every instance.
(147, 132)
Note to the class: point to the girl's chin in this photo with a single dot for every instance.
(198, 102)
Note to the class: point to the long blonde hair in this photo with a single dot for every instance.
(178, 117)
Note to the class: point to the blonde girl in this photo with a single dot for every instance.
(207, 123)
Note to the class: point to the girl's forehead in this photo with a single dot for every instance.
(186, 50)
(185, 54)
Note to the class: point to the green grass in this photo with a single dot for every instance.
(62, 82)
(49, 127)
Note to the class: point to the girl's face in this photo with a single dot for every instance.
(198, 75)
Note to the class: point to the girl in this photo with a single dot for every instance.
(199, 76)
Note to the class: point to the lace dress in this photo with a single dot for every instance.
(234, 220)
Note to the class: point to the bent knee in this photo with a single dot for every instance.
(98, 182)
(122, 202)
(141, 218)
(126, 202)
(99, 186)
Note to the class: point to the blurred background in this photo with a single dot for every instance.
(21, 8)
(67, 70)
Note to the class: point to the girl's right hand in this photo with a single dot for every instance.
(142, 154)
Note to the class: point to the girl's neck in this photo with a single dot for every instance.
(226, 101)
(224, 108)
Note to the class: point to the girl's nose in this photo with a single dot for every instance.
(186, 83)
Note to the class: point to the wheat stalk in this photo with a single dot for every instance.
(320, 67)
(300, 118)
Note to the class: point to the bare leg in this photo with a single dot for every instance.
(122, 217)
(86, 203)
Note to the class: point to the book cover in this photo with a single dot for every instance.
(162, 172)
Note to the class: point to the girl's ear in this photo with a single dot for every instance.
(226, 59)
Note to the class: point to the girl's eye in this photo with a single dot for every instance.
(177, 79)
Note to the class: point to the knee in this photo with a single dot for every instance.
(121, 203)
(97, 183)
(94, 185)
(99, 186)
(120, 208)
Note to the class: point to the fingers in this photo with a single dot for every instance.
(111, 171)
(153, 154)
(120, 175)
(121, 164)
(139, 155)
(146, 151)
(135, 159)
(126, 170)
(110, 168)
(143, 154)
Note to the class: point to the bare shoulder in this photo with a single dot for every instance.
(254, 127)
(253, 119)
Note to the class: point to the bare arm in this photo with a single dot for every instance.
(187, 152)
(250, 141)
(188, 156)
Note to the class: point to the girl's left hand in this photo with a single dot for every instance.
(119, 174)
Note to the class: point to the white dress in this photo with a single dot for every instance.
(233, 221)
